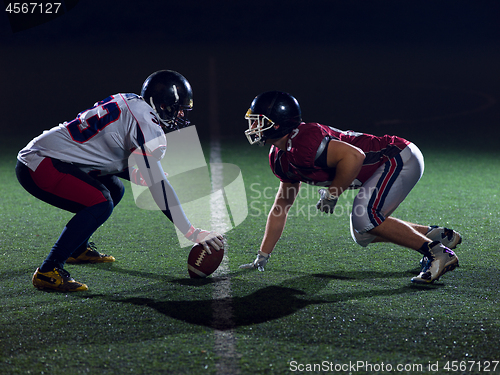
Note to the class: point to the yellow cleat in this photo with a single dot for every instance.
(91, 255)
(57, 279)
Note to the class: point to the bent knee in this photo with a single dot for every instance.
(101, 211)
(359, 232)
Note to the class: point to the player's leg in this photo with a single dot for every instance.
(114, 186)
(448, 237)
(381, 195)
(423, 229)
(437, 258)
(87, 252)
(378, 199)
(67, 187)
(400, 233)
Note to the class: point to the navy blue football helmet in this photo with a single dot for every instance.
(171, 97)
(272, 115)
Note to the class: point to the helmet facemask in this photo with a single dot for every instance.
(172, 117)
(272, 115)
(257, 125)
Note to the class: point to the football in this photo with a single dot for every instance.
(201, 264)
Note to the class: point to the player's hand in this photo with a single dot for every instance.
(326, 202)
(137, 179)
(259, 262)
(205, 238)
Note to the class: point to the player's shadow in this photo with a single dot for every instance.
(368, 274)
(263, 305)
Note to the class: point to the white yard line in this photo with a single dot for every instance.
(223, 318)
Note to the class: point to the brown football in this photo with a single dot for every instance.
(201, 264)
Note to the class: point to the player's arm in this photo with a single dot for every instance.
(277, 217)
(133, 175)
(275, 224)
(347, 161)
(166, 198)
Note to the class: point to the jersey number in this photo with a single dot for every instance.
(289, 143)
(83, 131)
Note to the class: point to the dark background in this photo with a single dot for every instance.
(425, 70)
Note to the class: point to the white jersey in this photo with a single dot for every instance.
(102, 138)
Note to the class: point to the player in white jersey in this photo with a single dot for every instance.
(76, 167)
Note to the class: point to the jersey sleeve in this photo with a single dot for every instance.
(147, 137)
(279, 166)
(307, 145)
(150, 143)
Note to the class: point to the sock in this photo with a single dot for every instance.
(81, 249)
(426, 247)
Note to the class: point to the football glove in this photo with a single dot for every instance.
(327, 201)
(205, 238)
(259, 262)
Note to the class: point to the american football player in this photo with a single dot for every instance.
(384, 169)
(77, 167)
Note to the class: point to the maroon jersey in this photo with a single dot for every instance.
(305, 157)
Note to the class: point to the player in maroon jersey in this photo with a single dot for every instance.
(384, 169)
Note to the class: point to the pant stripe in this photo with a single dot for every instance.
(392, 170)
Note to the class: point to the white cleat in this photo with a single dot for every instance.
(442, 260)
(448, 237)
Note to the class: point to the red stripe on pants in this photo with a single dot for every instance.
(66, 186)
(380, 193)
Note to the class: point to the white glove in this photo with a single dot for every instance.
(205, 238)
(327, 201)
(259, 262)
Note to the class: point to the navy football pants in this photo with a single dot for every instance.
(67, 187)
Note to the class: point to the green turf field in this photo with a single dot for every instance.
(324, 304)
